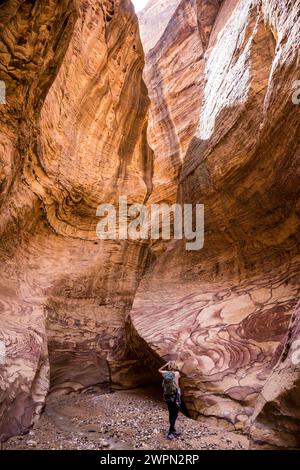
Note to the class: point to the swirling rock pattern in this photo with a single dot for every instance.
(276, 417)
(34, 38)
(73, 135)
(223, 312)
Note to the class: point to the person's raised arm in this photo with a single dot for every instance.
(162, 369)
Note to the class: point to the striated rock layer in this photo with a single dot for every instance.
(153, 20)
(223, 312)
(73, 136)
(276, 417)
(174, 74)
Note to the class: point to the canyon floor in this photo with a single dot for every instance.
(135, 419)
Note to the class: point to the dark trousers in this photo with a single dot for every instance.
(173, 414)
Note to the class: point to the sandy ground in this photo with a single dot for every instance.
(135, 419)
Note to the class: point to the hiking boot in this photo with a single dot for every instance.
(176, 434)
(170, 436)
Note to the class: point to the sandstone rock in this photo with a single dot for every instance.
(28, 64)
(31, 443)
(224, 311)
(225, 132)
(174, 74)
(103, 443)
(73, 136)
(153, 20)
(276, 417)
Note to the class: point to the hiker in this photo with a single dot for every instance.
(172, 394)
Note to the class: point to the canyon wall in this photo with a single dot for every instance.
(174, 74)
(153, 20)
(224, 312)
(73, 136)
(276, 415)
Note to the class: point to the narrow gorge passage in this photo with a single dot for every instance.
(129, 130)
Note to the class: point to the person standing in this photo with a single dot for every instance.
(172, 394)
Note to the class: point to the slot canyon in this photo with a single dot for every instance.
(187, 102)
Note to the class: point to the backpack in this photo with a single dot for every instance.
(169, 385)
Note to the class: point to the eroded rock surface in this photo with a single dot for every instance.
(153, 20)
(225, 133)
(73, 135)
(276, 418)
(174, 74)
(224, 311)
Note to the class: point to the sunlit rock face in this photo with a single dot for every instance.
(153, 20)
(224, 311)
(73, 135)
(174, 74)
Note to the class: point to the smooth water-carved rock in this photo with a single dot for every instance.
(73, 136)
(174, 74)
(224, 311)
(28, 64)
